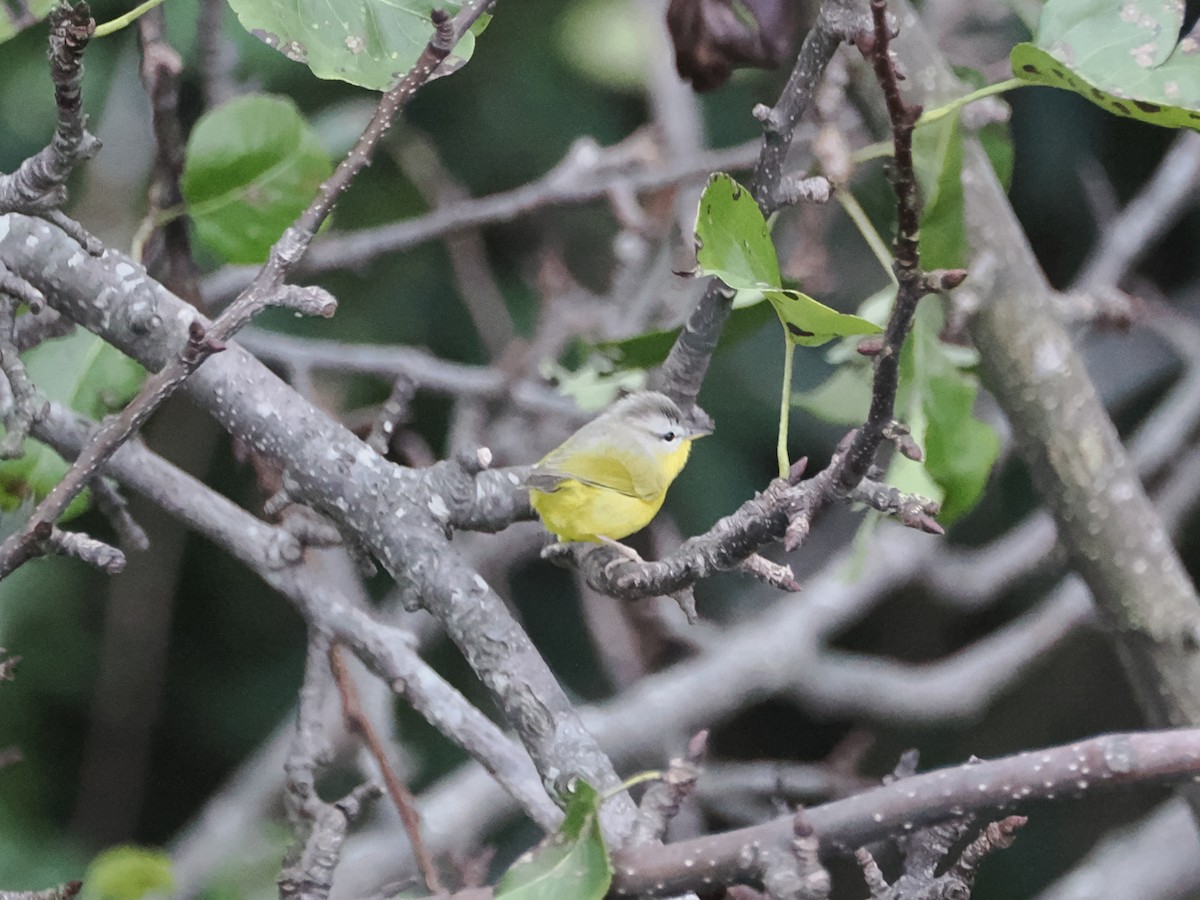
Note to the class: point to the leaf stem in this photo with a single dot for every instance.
(121, 21)
(884, 148)
(634, 780)
(861, 221)
(785, 407)
(940, 112)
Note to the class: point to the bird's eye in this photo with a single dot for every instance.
(669, 436)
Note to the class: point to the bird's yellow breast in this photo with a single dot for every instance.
(576, 511)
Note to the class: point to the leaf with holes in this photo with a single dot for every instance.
(85, 374)
(811, 324)
(253, 165)
(370, 43)
(1127, 57)
(572, 864)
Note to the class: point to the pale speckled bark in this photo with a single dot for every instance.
(907, 805)
(1112, 534)
(391, 509)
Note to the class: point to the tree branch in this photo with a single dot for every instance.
(276, 556)
(267, 290)
(1101, 763)
(1111, 532)
(588, 172)
(38, 186)
(358, 721)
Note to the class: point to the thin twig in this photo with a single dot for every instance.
(588, 172)
(417, 366)
(358, 721)
(168, 254)
(115, 508)
(25, 405)
(476, 283)
(38, 186)
(906, 266)
(684, 369)
(318, 828)
(662, 799)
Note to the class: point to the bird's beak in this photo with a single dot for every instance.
(701, 423)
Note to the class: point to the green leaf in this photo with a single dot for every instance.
(733, 243)
(732, 239)
(1126, 57)
(370, 43)
(938, 157)
(128, 873)
(810, 324)
(996, 139)
(15, 17)
(253, 165)
(573, 865)
(844, 398)
(85, 374)
(959, 449)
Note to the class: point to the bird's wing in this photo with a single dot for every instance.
(612, 469)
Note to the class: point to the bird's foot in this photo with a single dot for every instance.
(627, 554)
(558, 552)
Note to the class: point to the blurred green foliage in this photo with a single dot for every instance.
(84, 374)
(252, 166)
(127, 872)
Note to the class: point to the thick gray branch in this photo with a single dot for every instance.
(1098, 764)
(392, 509)
(1112, 534)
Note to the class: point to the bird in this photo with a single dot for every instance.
(610, 477)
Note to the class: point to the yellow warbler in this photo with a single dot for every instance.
(609, 478)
